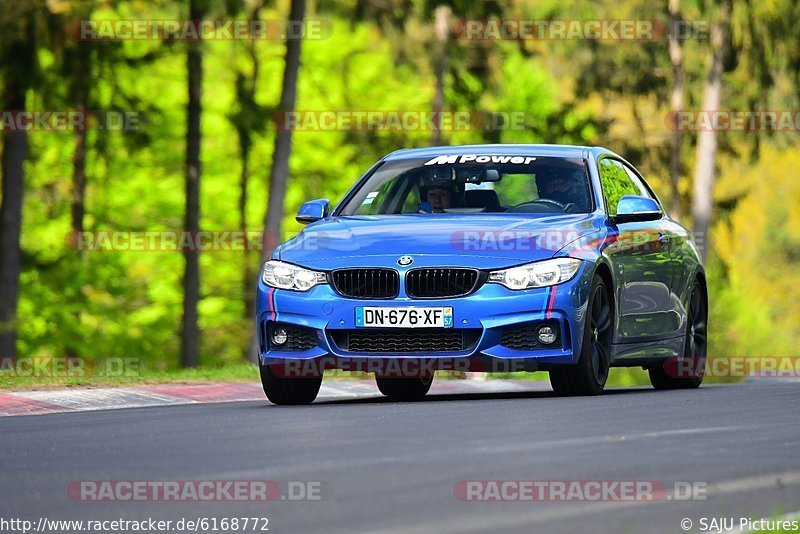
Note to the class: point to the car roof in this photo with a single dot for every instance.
(562, 151)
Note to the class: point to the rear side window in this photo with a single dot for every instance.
(616, 183)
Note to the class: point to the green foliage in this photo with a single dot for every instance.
(755, 311)
(615, 183)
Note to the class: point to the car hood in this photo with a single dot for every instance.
(482, 241)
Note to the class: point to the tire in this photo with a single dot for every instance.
(405, 388)
(289, 390)
(589, 375)
(694, 347)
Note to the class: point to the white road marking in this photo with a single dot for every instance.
(98, 399)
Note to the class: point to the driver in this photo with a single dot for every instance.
(563, 187)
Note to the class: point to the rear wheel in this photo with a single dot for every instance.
(289, 389)
(668, 376)
(589, 376)
(405, 388)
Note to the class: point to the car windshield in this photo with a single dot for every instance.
(474, 184)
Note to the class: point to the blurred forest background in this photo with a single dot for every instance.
(210, 156)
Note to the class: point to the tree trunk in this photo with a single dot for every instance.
(18, 65)
(15, 148)
(279, 170)
(190, 335)
(247, 284)
(245, 144)
(78, 205)
(81, 76)
(441, 27)
(707, 139)
(676, 101)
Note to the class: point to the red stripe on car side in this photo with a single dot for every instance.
(551, 299)
(271, 300)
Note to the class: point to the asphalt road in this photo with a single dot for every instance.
(389, 466)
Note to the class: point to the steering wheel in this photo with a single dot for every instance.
(544, 202)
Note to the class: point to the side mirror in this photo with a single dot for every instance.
(633, 208)
(313, 210)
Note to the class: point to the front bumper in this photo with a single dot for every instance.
(486, 314)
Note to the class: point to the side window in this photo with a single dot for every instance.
(616, 183)
(643, 191)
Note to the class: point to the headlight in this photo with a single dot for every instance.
(288, 276)
(538, 274)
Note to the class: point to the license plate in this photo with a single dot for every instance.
(406, 317)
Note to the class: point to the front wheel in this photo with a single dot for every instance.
(405, 388)
(589, 375)
(289, 389)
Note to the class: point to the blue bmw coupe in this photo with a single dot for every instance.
(484, 258)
